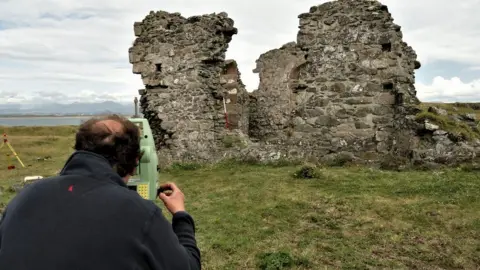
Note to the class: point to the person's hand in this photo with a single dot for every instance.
(173, 198)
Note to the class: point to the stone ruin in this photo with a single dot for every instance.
(343, 90)
(183, 67)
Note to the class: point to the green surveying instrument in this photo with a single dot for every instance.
(145, 180)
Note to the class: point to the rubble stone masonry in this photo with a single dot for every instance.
(344, 89)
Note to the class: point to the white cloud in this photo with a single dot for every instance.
(80, 48)
(440, 29)
(449, 90)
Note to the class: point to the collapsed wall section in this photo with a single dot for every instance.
(182, 63)
(274, 101)
(236, 97)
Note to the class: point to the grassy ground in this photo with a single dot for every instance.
(455, 108)
(449, 122)
(257, 217)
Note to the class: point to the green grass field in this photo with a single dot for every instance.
(262, 217)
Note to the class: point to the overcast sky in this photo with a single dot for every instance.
(72, 50)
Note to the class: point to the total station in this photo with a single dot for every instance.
(145, 181)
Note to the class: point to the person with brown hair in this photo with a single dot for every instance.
(87, 218)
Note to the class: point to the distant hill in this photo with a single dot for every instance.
(76, 108)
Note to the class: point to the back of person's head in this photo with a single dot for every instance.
(113, 137)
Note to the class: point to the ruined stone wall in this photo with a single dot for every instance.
(181, 62)
(348, 72)
(343, 91)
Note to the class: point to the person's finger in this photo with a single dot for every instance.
(172, 187)
(163, 197)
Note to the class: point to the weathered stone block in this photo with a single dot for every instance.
(139, 68)
(363, 111)
(305, 128)
(345, 128)
(303, 97)
(385, 99)
(470, 117)
(137, 28)
(298, 121)
(431, 126)
(381, 120)
(382, 110)
(359, 100)
(317, 111)
(382, 147)
(326, 121)
(362, 125)
(373, 87)
(312, 121)
(437, 111)
(381, 136)
(361, 135)
(322, 102)
(338, 87)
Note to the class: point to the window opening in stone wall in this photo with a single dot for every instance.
(212, 61)
(157, 86)
(387, 47)
(158, 67)
(388, 86)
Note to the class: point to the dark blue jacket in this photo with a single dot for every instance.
(87, 218)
